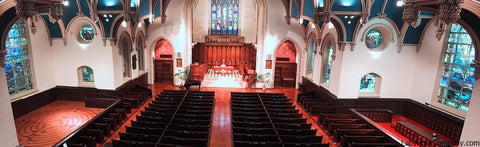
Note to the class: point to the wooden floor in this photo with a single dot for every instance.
(49, 124)
(221, 124)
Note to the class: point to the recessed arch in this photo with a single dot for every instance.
(328, 52)
(163, 55)
(125, 48)
(285, 64)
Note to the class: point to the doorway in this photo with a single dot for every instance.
(163, 64)
(285, 65)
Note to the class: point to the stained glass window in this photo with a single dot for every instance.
(367, 83)
(327, 63)
(140, 48)
(456, 82)
(224, 17)
(311, 58)
(17, 67)
(373, 39)
(87, 33)
(87, 74)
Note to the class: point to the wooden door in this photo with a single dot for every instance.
(163, 71)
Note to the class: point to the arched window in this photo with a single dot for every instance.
(456, 82)
(140, 49)
(370, 85)
(327, 62)
(125, 48)
(85, 76)
(224, 17)
(311, 57)
(17, 60)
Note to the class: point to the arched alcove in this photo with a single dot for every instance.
(285, 64)
(163, 64)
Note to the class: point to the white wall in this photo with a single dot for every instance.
(174, 31)
(8, 137)
(278, 31)
(68, 58)
(396, 69)
(427, 66)
(470, 127)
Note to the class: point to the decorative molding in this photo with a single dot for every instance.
(326, 16)
(2, 58)
(56, 12)
(25, 8)
(440, 29)
(51, 41)
(352, 46)
(449, 10)
(411, 13)
(399, 47)
(364, 17)
(317, 18)
(476, 65)
(113, 41)
(104, 41)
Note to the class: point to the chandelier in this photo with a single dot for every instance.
(449, 10)
(56, 11)
(25, 8)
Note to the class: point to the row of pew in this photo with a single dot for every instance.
(347, 130)
(99, 128)
(173, 118)
(269, 119)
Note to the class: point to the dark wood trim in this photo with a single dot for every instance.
(31, 103)
(23, 106)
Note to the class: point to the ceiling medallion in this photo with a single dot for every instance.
(25, 8)
(56, 11)
(411, 13)
(449, 10)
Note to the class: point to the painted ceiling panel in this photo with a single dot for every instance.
(144, 8)
(340, 31)
(53, 28)
(426, 13)
(471, 20)
(107, 25)
(320, 5)
(133, 6)
(349, 21)
(376, 8)
(71, 9)
(394, 13)
(347, 5)
(105, 5)
(308, 8)
(413, 35)
(157, 10)
(85, 8)
(294, 9)
(8, 16)
(305, 23)
(46, 10)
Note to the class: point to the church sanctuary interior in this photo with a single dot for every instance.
(224, 73)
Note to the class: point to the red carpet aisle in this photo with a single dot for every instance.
(51, 123)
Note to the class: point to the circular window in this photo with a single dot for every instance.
(86, 33)
(373, 39)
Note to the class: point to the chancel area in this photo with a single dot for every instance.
(336, 73)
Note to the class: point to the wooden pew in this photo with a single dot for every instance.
(353, 132)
